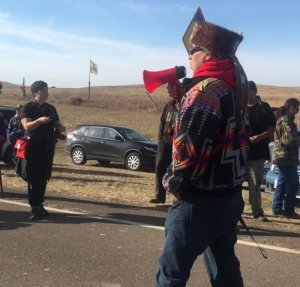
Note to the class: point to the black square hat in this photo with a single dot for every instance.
(216, 39)
(198, 17)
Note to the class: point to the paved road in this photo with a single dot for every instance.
(87, 243)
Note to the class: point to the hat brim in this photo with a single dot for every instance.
(198, 17)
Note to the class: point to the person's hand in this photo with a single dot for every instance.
(254, 139)
(45, 120)
(61, 127)
(177, 197)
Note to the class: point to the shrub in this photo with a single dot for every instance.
(76, 101)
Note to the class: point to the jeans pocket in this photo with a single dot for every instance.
(175, 205)
(178, 213)
(171, 216)
(184, 212)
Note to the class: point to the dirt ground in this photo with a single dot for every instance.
(114, 183)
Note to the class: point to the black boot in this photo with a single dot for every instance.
(157, 200)
(35, 213)
(43, 211)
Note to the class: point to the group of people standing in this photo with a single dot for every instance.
(213, 133)
(264, 127)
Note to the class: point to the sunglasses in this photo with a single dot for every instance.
(193, 50)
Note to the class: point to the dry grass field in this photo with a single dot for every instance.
(124, 105)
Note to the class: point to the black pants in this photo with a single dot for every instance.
(163, 161)
(36, 192)
(39, 167)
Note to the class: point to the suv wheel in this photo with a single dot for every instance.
(133, 161)
(78, 156)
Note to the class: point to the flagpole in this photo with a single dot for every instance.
(23, 88)
(90, 80)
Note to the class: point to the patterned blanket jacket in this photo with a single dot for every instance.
(209, 150)
(286, 145)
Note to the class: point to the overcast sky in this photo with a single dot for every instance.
(54, 40)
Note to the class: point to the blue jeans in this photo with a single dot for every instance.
(195, 226)
(286, 190)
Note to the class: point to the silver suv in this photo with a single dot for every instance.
(7, 151)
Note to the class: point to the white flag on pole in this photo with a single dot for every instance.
(93, 67)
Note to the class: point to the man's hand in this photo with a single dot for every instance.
(177, 196)
(254, 139)
(45, 120)
(61, 127)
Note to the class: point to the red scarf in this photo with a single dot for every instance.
(223, 70)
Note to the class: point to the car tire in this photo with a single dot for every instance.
(78, 156)
(103, 162)
(133, 161)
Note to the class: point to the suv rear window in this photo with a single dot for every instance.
(8, 112)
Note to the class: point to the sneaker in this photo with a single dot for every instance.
(156, 200)
(261, 218)
(34, 214)
(43, 211)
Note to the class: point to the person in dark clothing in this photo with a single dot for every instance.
(15, 129)
(165, 138)
(262, 125)
(209, 157)
(40, 121)
(3, 128)
(286, 157)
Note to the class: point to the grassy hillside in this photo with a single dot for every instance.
(125, 105)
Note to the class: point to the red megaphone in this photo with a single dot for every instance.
(154, 79)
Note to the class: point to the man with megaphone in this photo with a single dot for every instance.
(153, 80)
(209, 156)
